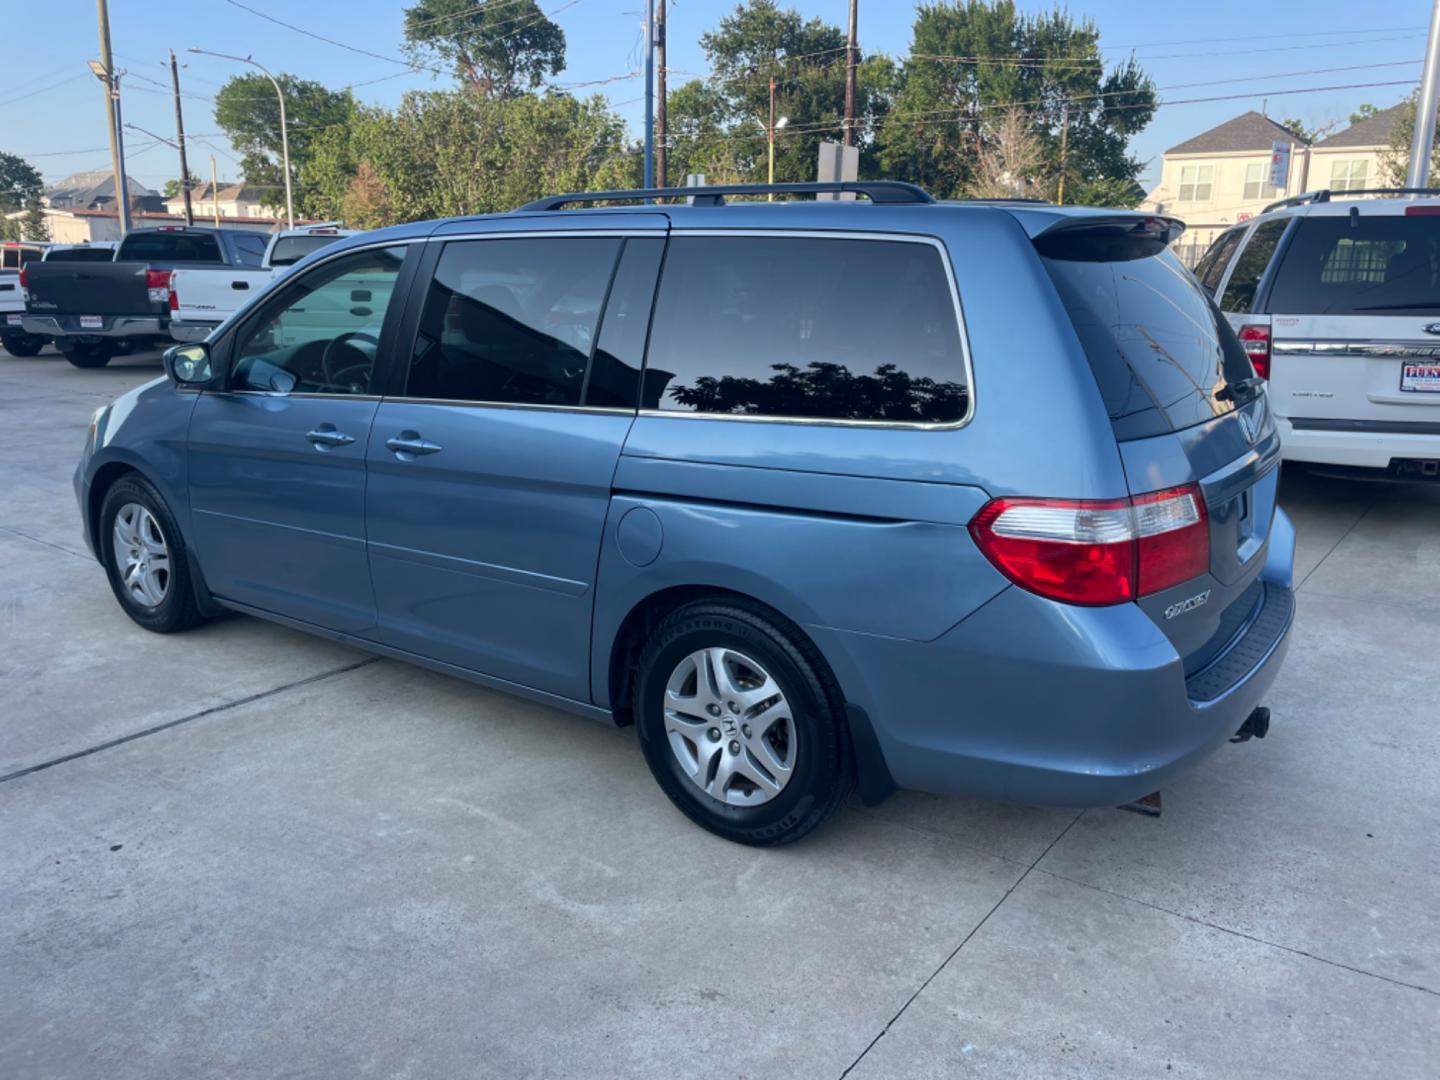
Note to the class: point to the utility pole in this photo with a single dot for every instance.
(851, 52)
(1064, 147)
(649, 93)
(112, 115)
(180, 139)
(661, 133)
(1418, 173)
(214, 191)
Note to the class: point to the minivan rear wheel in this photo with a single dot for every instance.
(742, 723)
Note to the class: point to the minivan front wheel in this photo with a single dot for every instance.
(144, 556)
(741, 723)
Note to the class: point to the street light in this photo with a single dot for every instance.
(770, 131)
(284, 127)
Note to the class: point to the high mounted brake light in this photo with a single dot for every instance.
(1097, 551)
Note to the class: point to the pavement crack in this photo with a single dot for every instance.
(964, 941)
(47, 543)
(1241, 934)
(1343, 537)
(247, 700)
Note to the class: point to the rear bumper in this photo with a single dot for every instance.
(1045, 703)
(186, 331)
(1359, 449)
(112, 326)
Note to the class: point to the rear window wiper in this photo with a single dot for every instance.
(1241, 389)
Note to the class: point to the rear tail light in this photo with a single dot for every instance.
(158, 282)
(24, 286)
(1097, 551)
(174, 297)
(1256, 340)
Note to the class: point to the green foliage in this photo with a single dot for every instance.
(756, 43)
(1297, 127)
(247, 111)
(19, 181)
(1395, 159)
(1047, 63)
(500, 48)
(34, 224)
(172, 187)
(1363, 112)
(443, 153)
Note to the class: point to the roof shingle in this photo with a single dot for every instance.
(1248, 131)
(1372, 131)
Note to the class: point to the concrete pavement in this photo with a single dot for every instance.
(246, 852)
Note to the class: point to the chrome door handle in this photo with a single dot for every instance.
(326, 435)
(409, 444)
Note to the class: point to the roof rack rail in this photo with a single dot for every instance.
(888, 192)
(1325, 195)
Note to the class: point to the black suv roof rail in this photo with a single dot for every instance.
(888, 192)
(1325, 195)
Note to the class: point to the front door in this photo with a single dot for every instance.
(489, 480)
(277, 459)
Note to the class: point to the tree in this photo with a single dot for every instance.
(1009, 159)
(172, 187)
(1395, 159)
(1363, 112)
(970, 60)
(367, 203)
(248, 113)
(754, 44)
(500, 48)
(34, 224)
(19, 182)
(1297, 127)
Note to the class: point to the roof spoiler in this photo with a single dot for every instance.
(1106, 238)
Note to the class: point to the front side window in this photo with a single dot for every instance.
(1211, 267)
(1250, 266)
(1349, 175)
(251, 249)
(321, 333)
(1196, 182)
(806, 327)
(512, 321)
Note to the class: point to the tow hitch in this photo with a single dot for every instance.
(1256, 726)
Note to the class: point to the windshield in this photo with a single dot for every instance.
(1163, 355)
(1360, 264)
(289, 250)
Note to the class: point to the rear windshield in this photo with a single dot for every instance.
(289, 250)
(1159, 348)
(1360, 264)
(170, 247)
(85, 254)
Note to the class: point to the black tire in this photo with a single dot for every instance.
(87, 355)
(178, 610)
(823, 771)
(23, 344)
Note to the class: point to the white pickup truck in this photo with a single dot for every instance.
(201, 298)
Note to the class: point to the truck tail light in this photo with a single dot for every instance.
(1097, 551)
(1256, 340)
(158, 282)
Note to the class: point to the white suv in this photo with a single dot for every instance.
(1337, 300)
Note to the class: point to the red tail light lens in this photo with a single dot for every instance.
(1096, 552)
(24, 278)
(1256, 340)
(158, 282)
(174, 299)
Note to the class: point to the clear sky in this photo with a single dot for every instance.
(52, 110)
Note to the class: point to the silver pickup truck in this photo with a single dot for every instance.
(93, 311)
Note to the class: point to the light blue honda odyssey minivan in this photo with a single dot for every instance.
(866, 490)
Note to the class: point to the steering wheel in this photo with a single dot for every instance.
(335, 375)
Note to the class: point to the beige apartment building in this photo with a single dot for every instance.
(1222, 176)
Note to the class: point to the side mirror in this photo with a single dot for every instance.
(189, 365)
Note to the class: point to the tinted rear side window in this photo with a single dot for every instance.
(1159, 348)
(251, 249)
(512, 321)
(806, 327)
(1366, 264)
(169, 247)
(1250, 267)
(1211, 267)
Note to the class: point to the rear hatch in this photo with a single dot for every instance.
(1186, 410)
(1354, 312)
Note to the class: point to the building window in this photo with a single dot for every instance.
(1349, 175)
(1256, 186)
(1195, 182)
